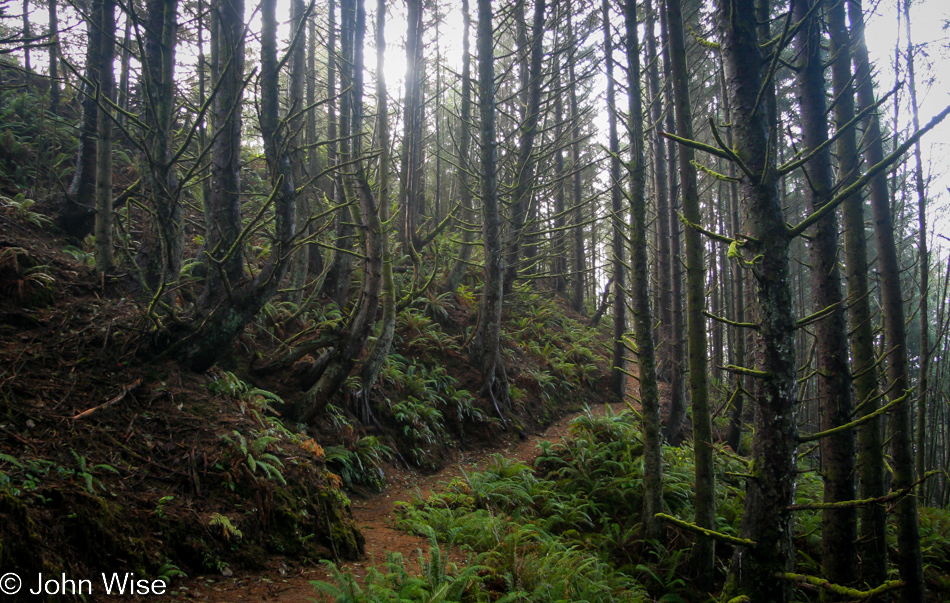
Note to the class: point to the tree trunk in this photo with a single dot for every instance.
(454, 278)
(103, 227)
(766, 520)
(486, 343)
(225, 202)
(54, 51)
(923, 263)
(122, 94)
(357, 188)
(640, 291)
(677, 416)
(734, 433)
(379, 353)
(300, 265)
(533, 52)
(410, 192)
(909, 560)
(577, 215)
(618, 378)
(159, 256)
(704, 550)
(839, 526)
(77, 216)
(870, 467)
(661, 191)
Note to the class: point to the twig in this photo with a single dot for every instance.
(125, 391)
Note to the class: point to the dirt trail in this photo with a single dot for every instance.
(374, 516)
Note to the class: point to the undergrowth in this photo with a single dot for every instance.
(568, 528)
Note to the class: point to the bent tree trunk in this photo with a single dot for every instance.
(357, 189)
(229, 303)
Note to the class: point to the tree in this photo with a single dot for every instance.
(77, 214)
(521, 198)
(766, 520)
(640, 289)
(454, 279)
(486, 342)
(617, 221)
(160, 254)
(106, 93)
(839, 525)
(909, 560)
(704, 551)
(870, 460)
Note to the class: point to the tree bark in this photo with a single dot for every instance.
(533, 52)
(640, 290)
(839, 525)
(909, 559)
(766, 520)
(872, 545)
(618, 378)
(486, 343)
(77, 215)
(704, 551)
(454, 278)
(103, 226)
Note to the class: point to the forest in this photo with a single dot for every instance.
(440, 300)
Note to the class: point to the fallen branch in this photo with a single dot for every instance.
(844, 591)
(125, 392)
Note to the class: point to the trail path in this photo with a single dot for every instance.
(375, 518)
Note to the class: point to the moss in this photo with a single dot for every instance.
(20, 544)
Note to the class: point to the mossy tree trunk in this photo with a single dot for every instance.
(618, 378)
(872, 545)
(640, 289)
(454, 279)
(159, 257)
(486, 343)
(839, 525)
(766, 520)
(909, 560)
(704, 551)
(103, 227)
(532, 51)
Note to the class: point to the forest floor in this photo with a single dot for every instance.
(375, 517)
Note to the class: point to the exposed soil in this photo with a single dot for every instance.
(374, 516)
